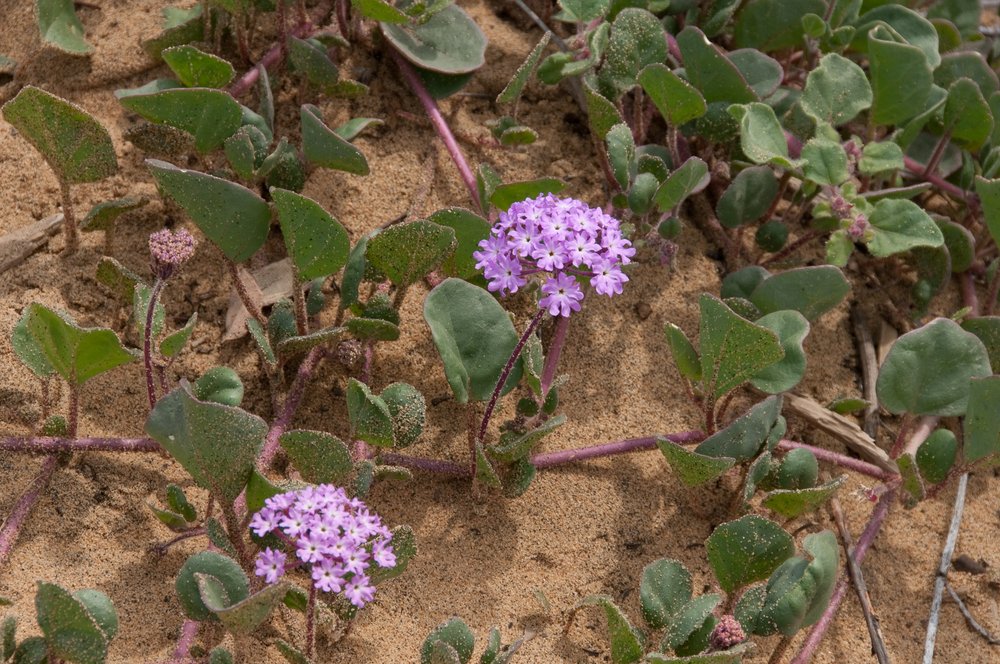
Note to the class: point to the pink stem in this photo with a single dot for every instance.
(292, 401)
(440, 124)
(969, 297)
(436, 466)
(864, 542)
(917, 169)
(189, 630)
(843, 460)
(147, 342)
(22, 508)
(270, 59)
(54, 445)
(555, 350)
(505, 373)
(549, 459)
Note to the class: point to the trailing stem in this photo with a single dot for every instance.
(147, 342)
(189, 630)
(57, 445)
(11, 528)
(311, 620)
(505, 374)
(69, 219)
(291, 404)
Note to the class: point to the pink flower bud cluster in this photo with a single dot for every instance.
(168, 250)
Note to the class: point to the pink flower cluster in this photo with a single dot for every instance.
(169, 250)
(337, 537)
(561, 238)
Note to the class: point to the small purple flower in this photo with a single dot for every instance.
(328, 577)
(359, 591)
(559, 239)
(727, 633)
(263, 522)
(169, 250)
(270, 564)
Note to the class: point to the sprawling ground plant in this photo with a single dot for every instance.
(773, 126)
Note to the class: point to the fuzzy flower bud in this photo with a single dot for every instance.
(840, 207)
(858, 227)
(563, 241)
(169, 250)
(727, 633)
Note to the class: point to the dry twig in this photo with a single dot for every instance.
(840, 428)
(969, 618)
(869, 369)
(942, 573)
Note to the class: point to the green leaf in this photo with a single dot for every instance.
(989, 194)
(690, 178)
(747, 550)
(901, 78)
(379, 10)
(798, 470)
(59, 26)
(323, 147)
(291, 654)
(211, 116)
(748, 197)
(762, 73)
(71, 632)
(791, 328)
(880, 157)
(987, 328)
(455, 633)
(246, 615)
(220, 655)
(732, 656)
(449, 42)
(904, 23)
(260, 338)
(408, 411)
(967, 116)
(174, 343)
(636, 40)
(27, 349)
(512, 92)
(75, 353)
(961, 244)
(373, 328)
(602, 115)
(799, 591)
(353, 127)
(197, 69)
(370, 417)
(743, 282)
(219, 385)
(773, 25)
(683, 352)
(826, 162)
(33, 650)
(761, 137)
(102, 216)
(140, 307)
(967, 64)
(317, 244)
(474, 337)
(320, 458)
(745, 436)
(936, 455)
(693, 468)
(677, 101)
(505, 195)
(582, 11)
(75, 145)
(9, 644)
(812, 291)
(732, 348)
(181, 26)
(314, 64)
(687, 621)
(101, 609)
(900, 225)
(710, 71)
(664, 590)
(982, 420)
(217, 445)
(519, 446)
(486, 474)
(223, 569)
(791, 503)
(626, 640)
(179, 503)
(621, 154)
(406, 253)
(927, 371)
(234, 218)
(470, 229)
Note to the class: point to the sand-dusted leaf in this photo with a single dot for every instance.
(324, 147)
(371, 420)
(515, 446)
(602, 115)
(747, 550)
(676, 99)
(474, 336)
(404, 546)
(117, 277)
(966, 64)
(197, 69)
(825, 161)
(812, 291)
(936, 455)
(244, 616)
(32, 650)
(989, 194)
(748, 197)
(927, 371)
(234, 218)
(745, 436)
(449, 42)
(220, 655)
(223, 569)
(732, 348)
(687, 620)
(636, 39)
(317, 244)
(406, 253)
(379, 10)
(967, 116)
(626, 640)
(101, 609)
(762, 138)
(621, 154)
(486, 474)
(733, 655)
(8, 637)
(512, 91)
(879, 158)
(291, 654)
(219, 385)
(181, 26)
(743, 282)
(216, 444)
(987, 328)
(905, 25)
(799, 591)
(408, 411)
(453, 632)
(321, 458)
(75, 145)
(960, 242)
(470, 229)
(663, 591)
(900, 225)
(179, 503)
(693, 468)
(505, 195)
(170, 519)
(791, 503)
(353, 127)
(761, 72)
(374, 329)
(75, 353)
(982, 420)
(59, 26)
(791, 328)
(174, 342)
(773, 25)
(259, 335)
(103, 215)
(756, 473)
(71, 632)
(901, 77)
(710, 71)
(691, 177)
(27, 349)
(310, 59)
(683, 352)
(798, 470)
(211, 116)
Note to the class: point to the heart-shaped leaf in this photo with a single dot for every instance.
(371, 420)
(676, 99)
(799, 591)
(197, 69)
(798, 470)
(223, 569)
(470, 229)
(246, 615)
(745, 436)
(408, 411)
(732, 348)
(812, 291)
(791, 327)
(449, 42)
(324, 147)
(71, 632)
(406, 253)
(636, 40)
(825, 162)
(317, 244)
(900, 225)
(936, 455)
(211, 116)
(664, 590)
(747, 550)
(748, 197)
(75, 353)
(688, 620)
(710, 71)
(101, 609)
(320, 458)
(693, 468)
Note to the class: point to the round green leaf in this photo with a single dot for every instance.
(762, 138)
(234, 218)
(223, 569)
(900, 225)
(71, 632)
(453, 632)
(748, 197)
(936, 456)
(664, 590)
(211, 116)
(636, 40)
(982, 420)
(470, 229)
(58, 25)
(371, 420)
(406, 253)
(241, 617)
(317, 243)
(799, 591)
(220, 385)
(747, 550)
(812, 291)
(798, 470)
(449, 42)
(101, 609)
(762, 73)
(773, 25)
(927, 371)
(408, 410)
(75, 145)
(791, 328)
(689, 178)
(319, 457)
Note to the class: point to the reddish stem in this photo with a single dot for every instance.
(55, 445)
(271, 58)
(549, 459)
(842, 460)
(440, 125)
(22, 508)
(917, 169)
(292, 401)
(189, 630)
(555, 350)
(147, 342)
(864, 542)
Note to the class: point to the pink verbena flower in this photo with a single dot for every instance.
(337, 539)
(562, 240)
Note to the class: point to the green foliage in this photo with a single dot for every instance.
(791, 503)
(626, 641)
(710, 71)
(936, 455)
(505, 195)
(319, 457)
(900, 225)
(748, 197)
(745, 436)
(228, 580)
(693, 468)
(197, 69)
(59, 26)
(773, 25)
(406, 253)
(811, 291)
(210, 116)
(75, 628)
(689, 178)
(733, 349)
(317, 244)
(636, 40)
(449, 42)
(512, 91)
(747, 550)
(892, 62)
(103, 215)
(325, 147)
(514, 446)
(675, 98)
(762, 138)
(219, 385)
(982, 421)
(452, 636)
(791, 327)
(469, 229)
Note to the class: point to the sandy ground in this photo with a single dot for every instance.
(588, 528)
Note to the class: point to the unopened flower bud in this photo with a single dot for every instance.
(727, 633)
(168, 250)
(858, 227)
